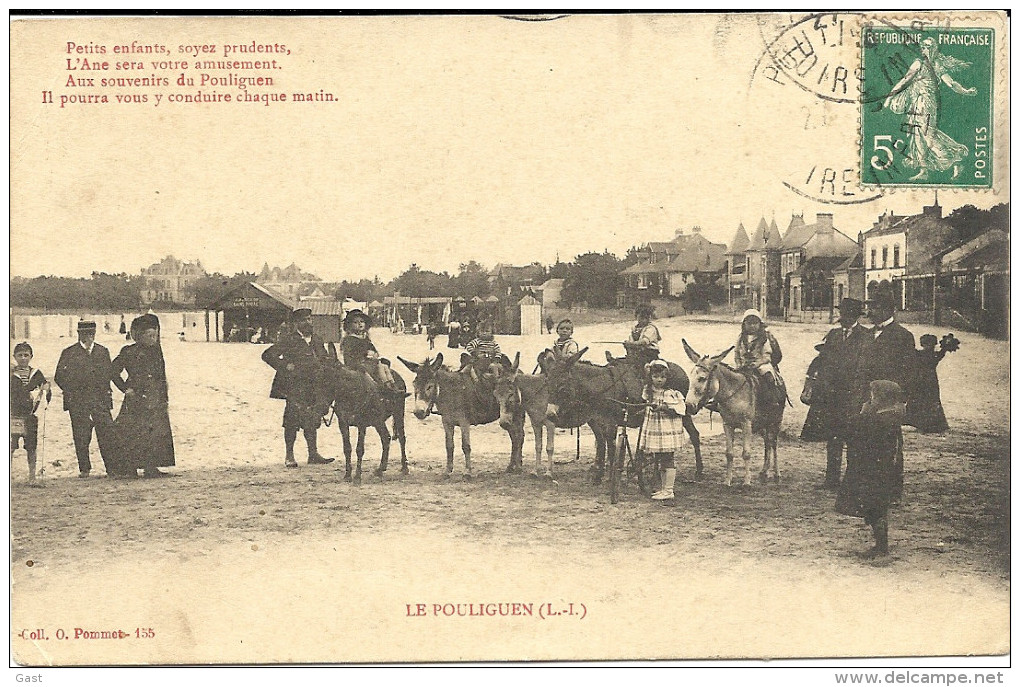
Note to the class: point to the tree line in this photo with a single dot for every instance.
(591, 278)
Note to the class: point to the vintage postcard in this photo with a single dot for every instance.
(465, 242)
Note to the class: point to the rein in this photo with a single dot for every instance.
(711, 372)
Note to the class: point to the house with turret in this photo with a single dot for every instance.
(736, 269)
(171, 281)
(764, 280)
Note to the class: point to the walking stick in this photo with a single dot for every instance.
(577, 456)
(40, 455)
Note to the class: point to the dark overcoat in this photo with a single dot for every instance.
(292, 350)
(891, 355)
(835, 400)
(85, 378)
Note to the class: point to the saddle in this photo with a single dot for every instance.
(674, 373)
(769, 398)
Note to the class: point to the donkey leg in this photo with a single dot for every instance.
(345, 432)
(695, 436)
(465, 442)
(448, 429)
(729, 431)
(746, 452)
(775, 455)
(536, 430)
(361, 454)
(599, 469)
(550, 441)
(384, 439)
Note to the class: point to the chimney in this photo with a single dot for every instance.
(934, 210)
(824, 221)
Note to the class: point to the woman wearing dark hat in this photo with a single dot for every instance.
(146, 441)
(360, 353)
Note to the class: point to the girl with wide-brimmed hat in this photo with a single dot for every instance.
(360, 353)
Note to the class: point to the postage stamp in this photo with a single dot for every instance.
(926, 107)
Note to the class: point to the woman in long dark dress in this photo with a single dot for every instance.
(924, 410)
(146, 441)
(816, 425)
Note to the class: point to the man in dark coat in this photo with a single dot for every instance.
(83, 373)
(890, 355)
(295, 359)
(841, 356)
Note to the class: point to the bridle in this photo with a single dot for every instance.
(712, 379)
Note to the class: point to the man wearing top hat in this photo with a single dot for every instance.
(83, 373)
(890, 354)
(840, 357)
(294, 358)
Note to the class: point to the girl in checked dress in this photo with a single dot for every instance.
(662, 431)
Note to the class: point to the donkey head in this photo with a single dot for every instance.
(703, 385)
(425, 384)
(561, 384)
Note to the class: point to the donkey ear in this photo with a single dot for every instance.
(721, 356)
(413, 367)
(691, 353)
(331, 349)
(439, 362)
(577, 356)
(517, 362)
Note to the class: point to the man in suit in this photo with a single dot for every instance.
(841, 356)
(83, 373)
(295, 358)
(891, 355)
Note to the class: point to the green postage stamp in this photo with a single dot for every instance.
(926, 106)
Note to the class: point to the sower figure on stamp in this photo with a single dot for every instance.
(83, 374)
(840, 358)
(889, 355)
(296, 359)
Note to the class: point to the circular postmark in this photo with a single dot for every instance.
(812, 69)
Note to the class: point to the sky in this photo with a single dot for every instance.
(451, 139)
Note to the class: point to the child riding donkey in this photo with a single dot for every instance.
(758, 353)
(361, 354)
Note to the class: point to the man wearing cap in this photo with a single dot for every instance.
(294, 358)
(840, 357)
(83, 373)
(890, 354)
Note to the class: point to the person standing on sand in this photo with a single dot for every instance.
(295, 358)
(889, 354)
(873, 441)
(143, 424)
(83, 373)
(835, 403)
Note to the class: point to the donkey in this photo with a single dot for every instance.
(357, 403)
(461, 402)
(588, 390)
(735, 396)
(516, 391)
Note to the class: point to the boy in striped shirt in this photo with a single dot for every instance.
(482, 351)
